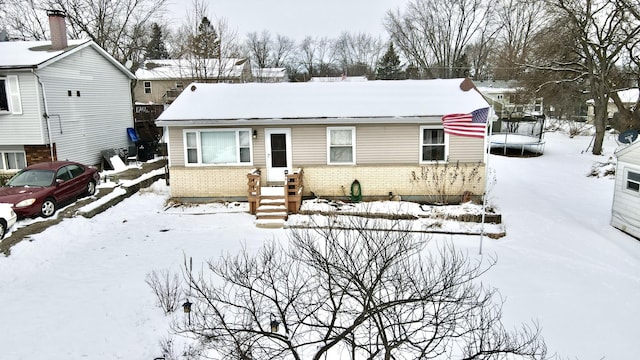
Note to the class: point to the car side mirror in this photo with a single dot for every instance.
(59, 181)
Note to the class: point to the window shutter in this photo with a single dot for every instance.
(14, 94)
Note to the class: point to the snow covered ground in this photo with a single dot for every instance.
(78, 291)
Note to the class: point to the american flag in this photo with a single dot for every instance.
(470, 125)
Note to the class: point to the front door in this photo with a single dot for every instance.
(278, 150)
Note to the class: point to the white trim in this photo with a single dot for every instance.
(422, 144)
(277, 174)
(353, 144)
(3, 163)
(199, 146)
(626, 179)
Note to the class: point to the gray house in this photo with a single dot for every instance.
(61, 100)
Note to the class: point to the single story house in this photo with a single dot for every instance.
(387, 135)
(61, 100)
(625, 210)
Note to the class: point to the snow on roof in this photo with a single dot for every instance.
(269, 72)
(381, 98)
(190, 68)
(626, 96)
(16, 54)
(339, 79)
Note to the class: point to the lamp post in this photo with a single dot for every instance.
(186, 307)
(274, 323)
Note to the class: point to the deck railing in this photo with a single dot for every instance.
(253, 183)
(293, 187)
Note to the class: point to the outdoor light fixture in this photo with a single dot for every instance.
(255, 134)
(186, 307)
(274, 323)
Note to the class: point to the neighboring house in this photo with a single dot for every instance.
(270, 75)
(628, 97)
(62, 100)
(343, 78)
(161, 81)
(508, 100)
(376, 132)
(625, 211)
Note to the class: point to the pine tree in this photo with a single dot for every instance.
(205, 44)
(389, 66)
(156, 48)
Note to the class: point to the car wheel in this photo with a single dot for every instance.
(48, 208)
(91, 188)
(3, 228)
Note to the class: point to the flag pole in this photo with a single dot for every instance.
(487, 152)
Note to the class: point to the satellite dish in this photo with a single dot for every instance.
(628, 136)
(128, 64)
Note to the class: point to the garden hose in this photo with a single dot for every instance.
(356, 191)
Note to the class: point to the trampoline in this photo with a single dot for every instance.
(520, 137)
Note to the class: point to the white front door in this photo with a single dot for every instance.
(278, 150)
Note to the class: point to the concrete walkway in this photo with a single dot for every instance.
(131, 181)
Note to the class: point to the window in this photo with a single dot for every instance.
(10, 95)
(433, 144)
(13, 161)
(147, 87)
(633, 181)
(218, 147)
(341, 145)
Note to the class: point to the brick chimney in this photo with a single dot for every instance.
(58, 29)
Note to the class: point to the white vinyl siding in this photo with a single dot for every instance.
(81, 127)
(341, 145)
(218, 147)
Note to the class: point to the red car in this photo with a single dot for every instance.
(38, 189)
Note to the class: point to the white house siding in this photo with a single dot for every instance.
(625, 210)
(83, 126)
(25, 128)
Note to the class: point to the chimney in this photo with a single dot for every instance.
(58, 29)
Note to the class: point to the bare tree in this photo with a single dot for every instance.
(24, 20)
(259, 47)
(433, 34)
(358, 54)
(120, 27)
(348, 287)
(284, 48)
(519, 21)
(602, 29)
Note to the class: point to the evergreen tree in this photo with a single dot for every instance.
(389, 66)
(156, 48)
(205, 44)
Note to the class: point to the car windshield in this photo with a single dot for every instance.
(32, 178)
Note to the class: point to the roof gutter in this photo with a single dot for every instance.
(301, 121)
(46, 112)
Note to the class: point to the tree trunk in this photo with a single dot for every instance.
(600, 122)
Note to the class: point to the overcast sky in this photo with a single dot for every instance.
(298, 18)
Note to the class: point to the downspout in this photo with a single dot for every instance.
(46, 112)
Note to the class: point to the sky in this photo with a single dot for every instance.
(298, 19)
(78, 291)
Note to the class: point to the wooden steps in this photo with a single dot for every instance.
(271, 211)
